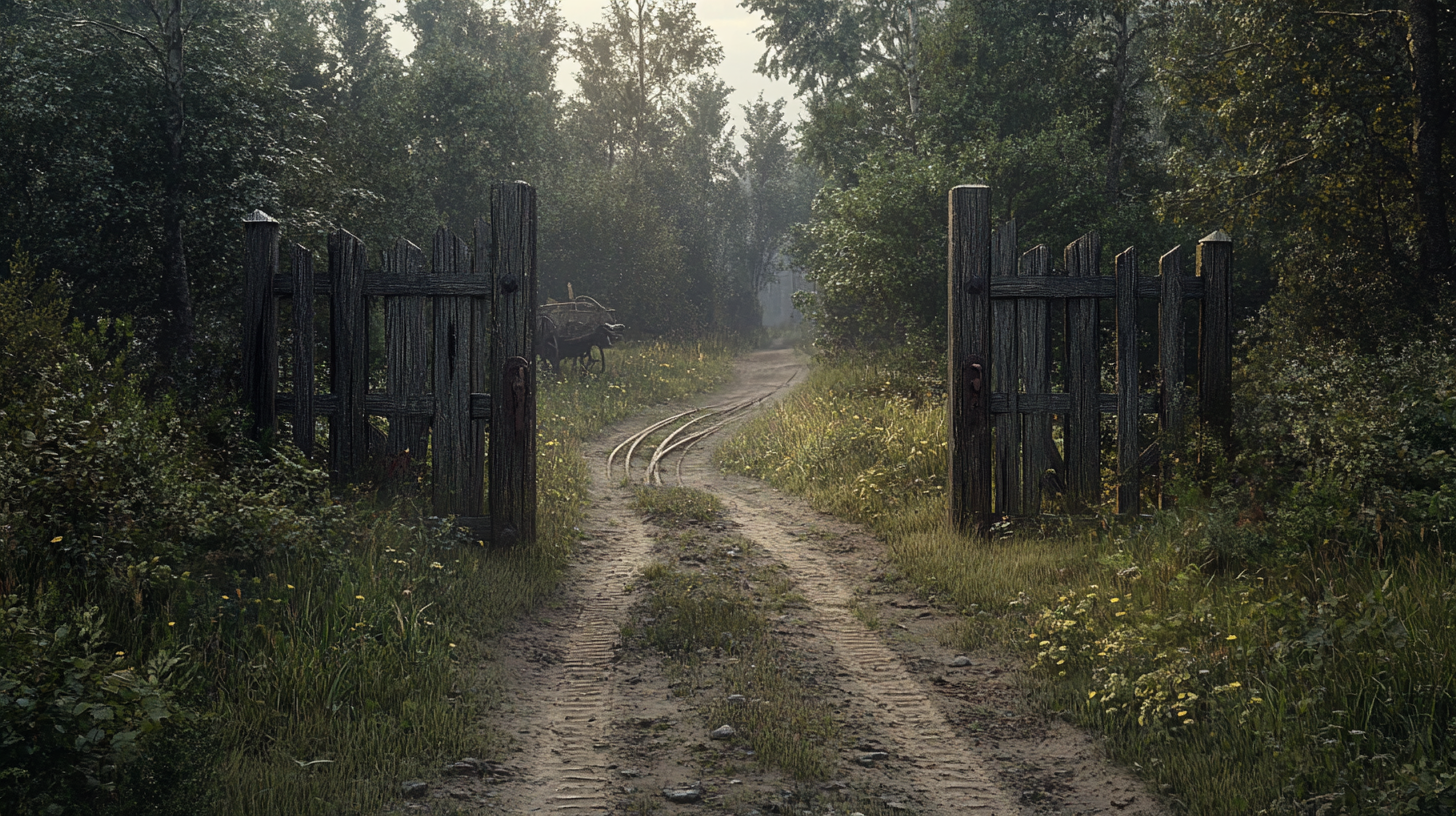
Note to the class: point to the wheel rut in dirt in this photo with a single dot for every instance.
(600, 734)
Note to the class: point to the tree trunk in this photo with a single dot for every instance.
(1428, 132)
(913, 54)
(179, 329)
(1117, 126)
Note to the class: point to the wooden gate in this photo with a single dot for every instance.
(469, 374)
(1000, 377)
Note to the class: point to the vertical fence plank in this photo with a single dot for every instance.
(968, 380)
(1129, 478)
(1081, 429)
(1004, 378)
(450, 440)
(260, 320)
(481, 365)
(1033, 317)
(348, 353)
(513, 400)
(304, 386)
(406, 374)
(1170, 362)
(1215, 346)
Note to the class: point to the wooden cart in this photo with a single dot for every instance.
(579, 329)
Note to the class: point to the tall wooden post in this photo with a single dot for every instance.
(1215, 334)
(513, 394)
(968, 379)
(260, 320)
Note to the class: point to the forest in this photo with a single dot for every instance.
(136, 134)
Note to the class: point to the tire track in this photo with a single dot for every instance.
(959, 781)
(565, 771)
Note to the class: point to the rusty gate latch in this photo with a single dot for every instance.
(515, 382)
(972, 376)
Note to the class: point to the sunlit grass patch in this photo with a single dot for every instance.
(709, 627)
(676, 506)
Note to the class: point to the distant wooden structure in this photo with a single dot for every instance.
(1000, 363)
(468, 373)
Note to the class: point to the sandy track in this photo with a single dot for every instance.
(961, 739)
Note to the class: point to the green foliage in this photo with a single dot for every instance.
(876, 251)
(677, 506)
(1291, 125)
(74, 713)
(1347, 451)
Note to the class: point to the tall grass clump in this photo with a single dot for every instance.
(1278, 643)
(191, 622)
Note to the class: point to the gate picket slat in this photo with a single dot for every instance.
(1081, 430)
(968, 377)
(1215, 347)
(512, 457)
(1004, 377)
(304, 387)
(481, 363)
(405, 351)
(1129, 484)
(1033, 320)
(450, 445)
(1170, 362)
(348, 353)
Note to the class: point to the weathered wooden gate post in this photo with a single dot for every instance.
(513, 387)
(969, 376)
(260, 320)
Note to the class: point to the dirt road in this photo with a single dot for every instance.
(603, 728)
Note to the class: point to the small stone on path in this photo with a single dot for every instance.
(682, 796)
(722, 732)
(414, 789)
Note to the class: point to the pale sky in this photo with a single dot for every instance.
(733, 25)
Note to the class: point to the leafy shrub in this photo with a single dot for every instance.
(1351, 450)
(73, 713)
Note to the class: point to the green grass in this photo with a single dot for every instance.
(350, 676)
(696, 615)
(677, 506)
(1283, 688)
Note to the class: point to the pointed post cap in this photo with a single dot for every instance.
(259, 217)
(1217, 236)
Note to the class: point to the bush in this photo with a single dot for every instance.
(1351, 451)
(73, 713)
